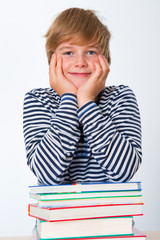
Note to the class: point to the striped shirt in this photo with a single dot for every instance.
(100, 141)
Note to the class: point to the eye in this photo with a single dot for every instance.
(91, 52)
(67, 53)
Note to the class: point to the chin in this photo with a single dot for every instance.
(78, 83)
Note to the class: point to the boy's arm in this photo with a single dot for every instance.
(114, 139)
(50, 139)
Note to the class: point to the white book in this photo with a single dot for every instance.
(85, 228)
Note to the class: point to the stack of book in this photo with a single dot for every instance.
(87, 211)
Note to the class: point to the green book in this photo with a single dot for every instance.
(84, 195)
(91, 201)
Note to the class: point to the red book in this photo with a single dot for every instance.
(84, 212)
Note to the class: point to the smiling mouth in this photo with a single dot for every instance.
(80, 74)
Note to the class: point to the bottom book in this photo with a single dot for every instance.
(137, 235)
(88, 228)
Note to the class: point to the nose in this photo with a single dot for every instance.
(80, 61)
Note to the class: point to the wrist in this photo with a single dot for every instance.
(82, 101)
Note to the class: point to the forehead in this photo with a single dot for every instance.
(68, 44)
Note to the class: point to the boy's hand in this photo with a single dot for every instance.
(95, 84)
(57, 79)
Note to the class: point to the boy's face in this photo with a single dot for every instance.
(77, 61)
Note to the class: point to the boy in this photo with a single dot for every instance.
(79, 130)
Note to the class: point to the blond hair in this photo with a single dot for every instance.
(79, 26)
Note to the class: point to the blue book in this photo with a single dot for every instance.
(86, 187)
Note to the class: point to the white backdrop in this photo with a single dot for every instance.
(135, 52)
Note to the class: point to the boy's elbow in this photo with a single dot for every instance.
(128, 172)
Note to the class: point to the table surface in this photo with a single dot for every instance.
(151, 235)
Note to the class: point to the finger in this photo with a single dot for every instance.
(104, 65)
(98, 71)
(53, 62)
(103, 61)
(59, 67)
(52, 70)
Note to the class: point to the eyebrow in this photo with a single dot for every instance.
(65, 48)
(70, 47)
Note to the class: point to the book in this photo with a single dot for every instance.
(82, 195)
(85, 187)
(85, 228)
(90, 201)
(84, 212)
(137, 235)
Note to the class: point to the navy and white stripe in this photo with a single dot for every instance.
(98, 142)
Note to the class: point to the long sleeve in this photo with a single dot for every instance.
(114, 133)
(51, 135)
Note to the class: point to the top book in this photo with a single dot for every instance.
(86, 187)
